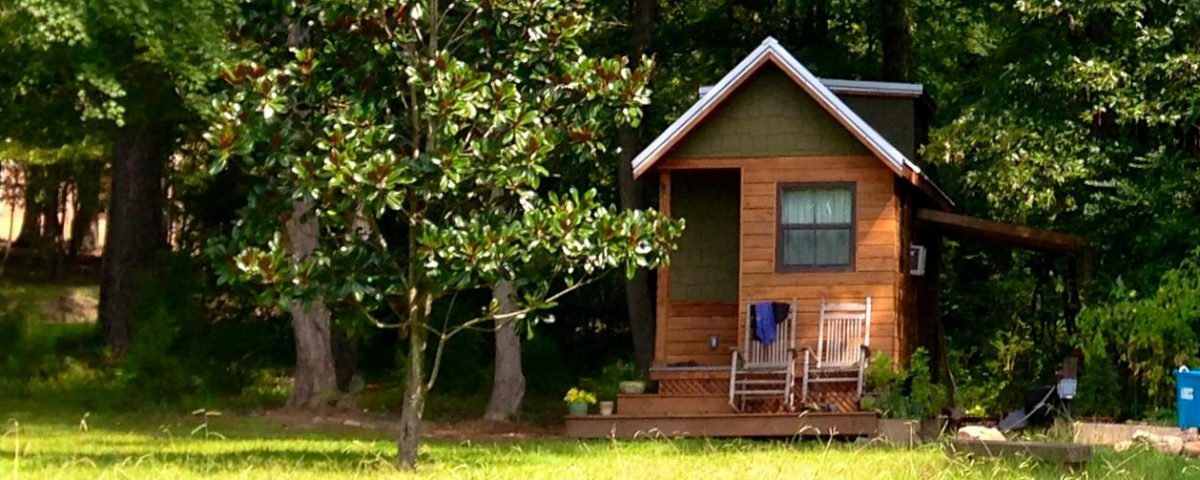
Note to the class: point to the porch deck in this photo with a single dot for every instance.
(811, 424)
(694, 402)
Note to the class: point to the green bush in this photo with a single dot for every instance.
(1132, 344)
(31, 350)
(607, 384)
(186, 351)
(547, 369)
(897, 392)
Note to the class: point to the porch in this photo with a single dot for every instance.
(693, 401)
(808, 424)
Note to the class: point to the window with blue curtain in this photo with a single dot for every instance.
(816, 227)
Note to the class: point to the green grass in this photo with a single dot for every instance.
(45, 442)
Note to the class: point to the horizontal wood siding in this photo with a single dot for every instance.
(689, 326)
(877, 257)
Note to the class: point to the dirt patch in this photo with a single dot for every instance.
(72, 306)
(480, 429)
(474, 430)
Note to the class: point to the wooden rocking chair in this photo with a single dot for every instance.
(764, 371)
(843, 346)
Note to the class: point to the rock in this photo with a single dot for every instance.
(1164, 443)
(352, 423)
(1088, 433)
(1191, 449)
(981, 433)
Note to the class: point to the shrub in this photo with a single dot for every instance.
(607, 385)
(32, 350)
(1132, 344)
(896, 392)
(190, 344)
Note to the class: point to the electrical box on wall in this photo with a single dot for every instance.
(916, 260)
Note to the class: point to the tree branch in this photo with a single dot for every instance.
(441, 347)
(505, 318)
(501, 320)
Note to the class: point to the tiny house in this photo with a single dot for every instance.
(794, 189)
(800, 190)
(791, 187)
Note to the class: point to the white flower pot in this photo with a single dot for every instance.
(632, 387)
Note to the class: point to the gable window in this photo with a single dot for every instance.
(816, 227)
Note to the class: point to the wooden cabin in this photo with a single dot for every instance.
(794, 189)
(746, 167)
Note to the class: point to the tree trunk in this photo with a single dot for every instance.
(816, 23)
(345, 358)
(135, 238)
(508, 381)
(87, 203)
(638, 299)
(414, 388)
(896, 40)
(51, 206)
(419, 298)
(31, 229)
(315, 379)
(637, 289)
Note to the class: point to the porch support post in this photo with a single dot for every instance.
(662, 292)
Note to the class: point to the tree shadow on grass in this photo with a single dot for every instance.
(234, 443)
(234, 460)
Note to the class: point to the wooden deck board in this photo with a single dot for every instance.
(723, 425)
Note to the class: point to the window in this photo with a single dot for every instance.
(816, 227)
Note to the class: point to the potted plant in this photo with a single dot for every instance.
(608, 384)
(578, 401)
(632, 382)
(632, 387)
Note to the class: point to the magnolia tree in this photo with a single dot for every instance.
(426, 141)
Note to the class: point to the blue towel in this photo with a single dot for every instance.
(764, 322)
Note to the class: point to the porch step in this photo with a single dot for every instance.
(658, 404)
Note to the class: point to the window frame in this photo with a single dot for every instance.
(781, 227)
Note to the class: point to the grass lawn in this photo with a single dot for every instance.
(50, 442)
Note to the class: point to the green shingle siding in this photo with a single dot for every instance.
(769, 116)
(704, 268)
(894, 118)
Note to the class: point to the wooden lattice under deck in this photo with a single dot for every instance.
(832, 397)
(714, 381)
(694, 386)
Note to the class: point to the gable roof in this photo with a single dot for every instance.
(771, 51)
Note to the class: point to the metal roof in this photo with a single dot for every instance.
(874, 88)
(863, 87)
(771, 51)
